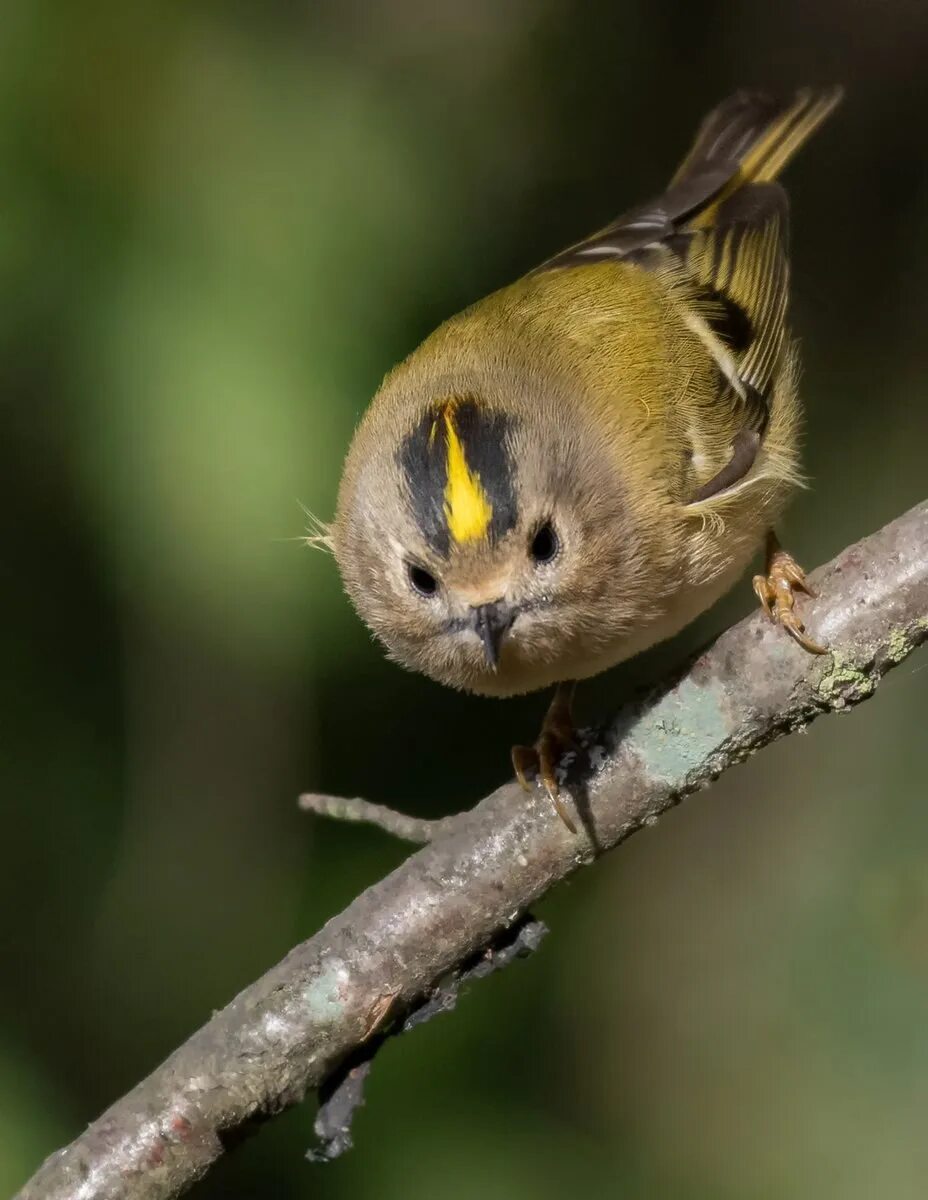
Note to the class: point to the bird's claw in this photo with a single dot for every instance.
(777, 590)
(556, 738)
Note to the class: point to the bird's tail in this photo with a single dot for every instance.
(754, 136)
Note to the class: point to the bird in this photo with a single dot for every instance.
(576, 466)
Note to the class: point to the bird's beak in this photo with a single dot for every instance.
(491, 622)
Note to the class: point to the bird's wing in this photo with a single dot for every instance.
(723, 223)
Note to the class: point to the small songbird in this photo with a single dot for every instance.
(577, 466)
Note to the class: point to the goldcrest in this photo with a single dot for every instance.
(577, 466)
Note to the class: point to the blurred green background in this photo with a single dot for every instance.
(221, 224)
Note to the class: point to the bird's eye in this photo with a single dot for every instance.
(422, 581)
(545, 544)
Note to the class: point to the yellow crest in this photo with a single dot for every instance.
(467, 508)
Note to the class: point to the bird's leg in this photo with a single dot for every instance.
(556, 737)
(776, 589)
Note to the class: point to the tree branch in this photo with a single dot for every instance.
(480, 871)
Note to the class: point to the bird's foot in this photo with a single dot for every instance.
(777, 590)
(556, 738)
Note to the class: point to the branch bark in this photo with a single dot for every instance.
(480, 871)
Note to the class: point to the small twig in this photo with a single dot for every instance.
(408, 829)
(342, 1093)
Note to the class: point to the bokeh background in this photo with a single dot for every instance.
(220, 225)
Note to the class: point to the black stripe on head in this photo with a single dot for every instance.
(423, 457)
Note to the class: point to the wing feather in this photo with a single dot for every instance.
(723, 224)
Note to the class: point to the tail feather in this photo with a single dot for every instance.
(748, 139)
(754, 136)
